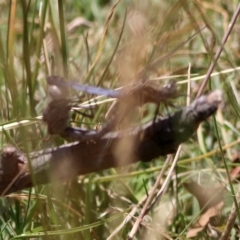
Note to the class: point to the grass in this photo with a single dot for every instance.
(111, 44)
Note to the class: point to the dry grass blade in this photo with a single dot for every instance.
(218, 53)
(106, 44)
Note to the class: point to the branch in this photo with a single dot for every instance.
(151, 140)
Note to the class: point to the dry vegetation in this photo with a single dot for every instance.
(111, 44)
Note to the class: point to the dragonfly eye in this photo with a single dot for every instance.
(57, 92)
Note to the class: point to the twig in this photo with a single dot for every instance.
(67, 161)
(219, 51)
(231, 219)
(149, 200)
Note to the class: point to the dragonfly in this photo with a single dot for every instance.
(144, 91)
(56, 114)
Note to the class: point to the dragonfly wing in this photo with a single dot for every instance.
(94, 90)
(59, 81)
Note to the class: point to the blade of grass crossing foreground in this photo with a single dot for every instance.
(63, 38)
(26, 56)
(42, 19)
